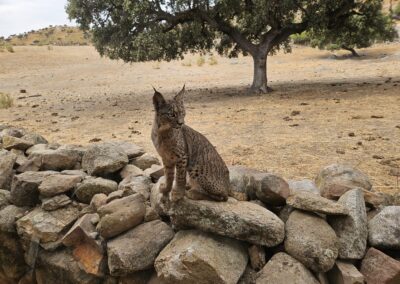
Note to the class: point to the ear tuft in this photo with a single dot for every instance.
(158, 99)
(179, 96)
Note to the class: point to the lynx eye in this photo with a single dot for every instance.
(173, 114)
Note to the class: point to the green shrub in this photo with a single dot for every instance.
(301, 39)
(200, 61)
(6, 101)
(212, 60)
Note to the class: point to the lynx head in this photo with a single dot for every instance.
(169, 113)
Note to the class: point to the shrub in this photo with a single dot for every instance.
(212, 60)
(396, 10)
(6, 101)
(10, 48)
(200, 61)
(187, 63)
(301, 39)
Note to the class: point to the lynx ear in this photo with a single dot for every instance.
(158, 99)
(179, 96)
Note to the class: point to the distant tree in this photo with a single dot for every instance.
(142, 30)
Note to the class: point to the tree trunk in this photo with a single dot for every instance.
(352, 50)
(260, 75)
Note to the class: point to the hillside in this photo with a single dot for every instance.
(52, 35)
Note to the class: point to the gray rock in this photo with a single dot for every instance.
(198, 257)
(12, 264)
(98, 200)
(81, 231)
(284, 269)
(40, 147)
(309, 201)
(136, 184)
(80, 173)
(257, 257)
(130, 149)
(271, 189)
(57, 184)
(5, 198)
(55, 160)
(352, 230)
(158, 200)
(92, 186)
(384, 228)
(145, 161)
(311, 241)
(56, 202)
(11, 142)
(35, 138)
(155, 172)
(8, 216)
(116, 195)
(303, 185)
(336, 179)
(12, 131)
(242, 182)
(345, 273)
(150, 214)
(137, 249)
(104, 159)
(25, 187)
(7, 161)
(21, 158)
(131, 170)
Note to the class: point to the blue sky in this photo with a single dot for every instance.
(18, 16)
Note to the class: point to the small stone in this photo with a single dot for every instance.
(145, 161)
(11, 142)
(384, 228)
(131, 170)
(98, 200)
(150, 214)
(257, 257)
(130, 149)
(5, 198)
(303, 185)
(81, 231)
(56, 202)
(55, 160)
(242, 182)
(136, 184)
(92, 186)
(345, 273)
(271, 189)
(8, 216)
(155, 172)
(7, 161)
(58, 184)
(115, 195)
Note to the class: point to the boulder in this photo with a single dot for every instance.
(376, 199)
(257, 257)
(283, 269)
(155, 172)
(25, 187)
(91, 186)
(199, 257)
(56, 202)
(104, 159)
(57, 184)
(98, 200)
(145, 161)
(40, 147)
(136, 184)
(345, 273)
(21, 158)
(5, 198)
(309, 201)
(352, 230)
(11, 142)
(35, 138)
(271, 189)
(55, 160)
(131, 170)
(311, 241)
(7, 161)
(236, 219)
(379, 268)
(12, 264)
(137, 249)
(242, 182)
(130, 149)
(8, 216)
(384, 228)
(334, 180)
(12, 131)
(150, 214)
(303, 185)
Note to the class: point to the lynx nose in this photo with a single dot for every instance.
(180, 121)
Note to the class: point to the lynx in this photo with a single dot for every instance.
(186, 151)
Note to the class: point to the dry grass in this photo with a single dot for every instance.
(6, 101)
(200, 61)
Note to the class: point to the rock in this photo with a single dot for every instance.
(129, 214)
(145, 161)
(136, 184)
(155, 172)
(158, 200)
(91, 258)
(249, 276)
(376, 199)
(140, 277)
(21, 158)
(12, 131)
(80, 173)
(198, 257)
(12, 264)
(384, 228)
(55, 160)
(76, 149)
(57, 184)
(54, 267)
(98, 200)
(135, 250)
(104, 159)
(11, 142)
(47, 226)
(271, 189)
(345, 273)
(40, 147)
(352, 230)
(7, 161)
(115, 195)
(334, 180)
(285, 212)
(35, 138)
(25, 187)
(379, 268)
(257, 257)
(8, 216)
(81, 231)
(5, 198)
(92, 186)
(241, 182)
(309, 201)
(283, 269)
(311, 241)
(130, 149)
(236, 219)
(56, 202)
(303, 185)
(131, 170)
(150, 214)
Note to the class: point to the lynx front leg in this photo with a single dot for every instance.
(169, 172)
(179, 191)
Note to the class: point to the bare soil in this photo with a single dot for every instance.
(324, 109)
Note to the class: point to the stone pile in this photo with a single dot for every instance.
(94, 214)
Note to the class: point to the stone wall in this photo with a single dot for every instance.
(94, 214)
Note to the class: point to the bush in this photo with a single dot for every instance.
(6, 101)
(301, 39)
(212, 60)
(200, 61)
(187, 63)
(396, 10)
(10, 48)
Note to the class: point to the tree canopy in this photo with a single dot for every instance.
(142, 30)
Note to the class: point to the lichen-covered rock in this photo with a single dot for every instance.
(137, 249)
(55, 202)
(284, 269)
(91, 186)
(103, 159)
(7, 161)
(351, 230)
(334, 180)
(384, 228)
(303, 185)
(8, 216)
(311, 241)
(11, 142)
(57, 184)
(198, 257)
(145, 161)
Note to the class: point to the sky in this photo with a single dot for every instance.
(19, 16)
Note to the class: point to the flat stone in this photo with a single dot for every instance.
(135, 250)
(55, 160)
(92, 186)
(130, 170)
(145, 161)
(56, 202)
(311, 241)
(352, 230)
(384, 228)
(7, 161)
(155, 172)
(379, 268)
(57, 184)
(81, 231)
(8, 216)
(284, 269)
(103, 159)
(334, 180)
(309, 201)
(303, 185)
(136, 184)
(199, 257)
(11, 142)
(345, 273)
(131, 150)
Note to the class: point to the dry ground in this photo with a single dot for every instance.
(322, 110)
